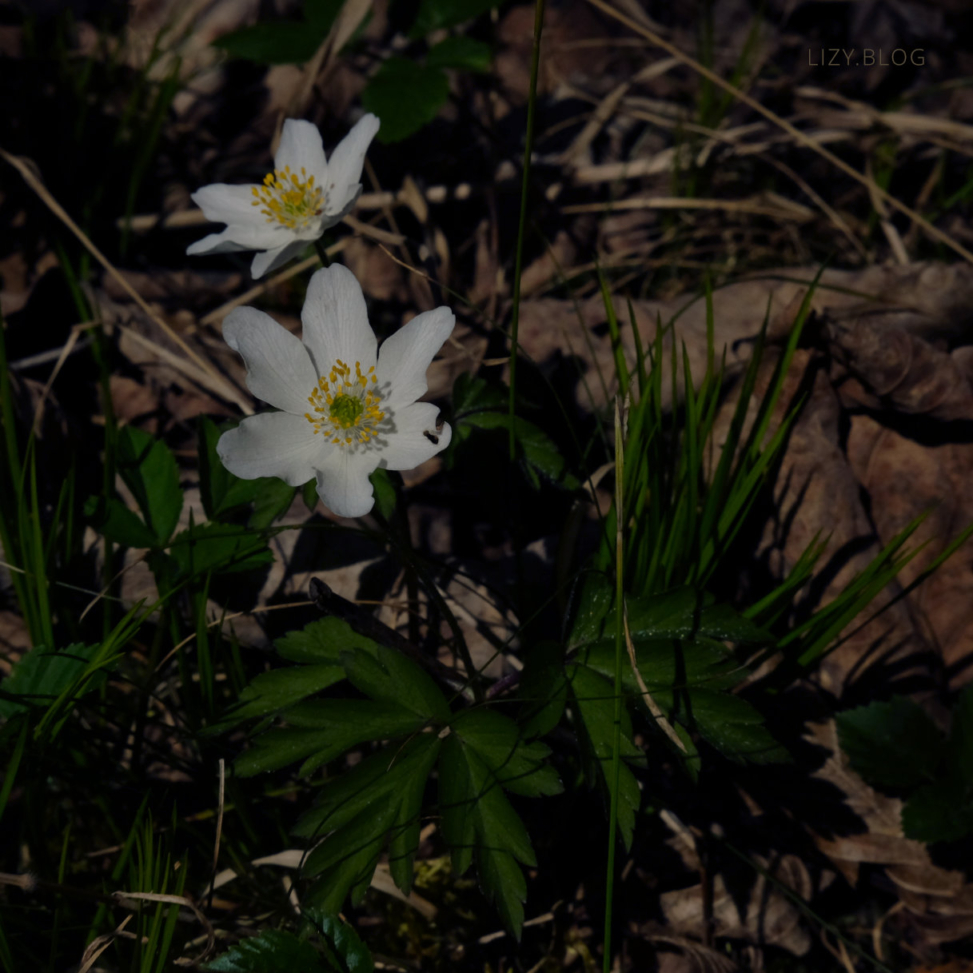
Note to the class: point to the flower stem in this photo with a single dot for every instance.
(322, 252)
(619, 642)
(518, 261)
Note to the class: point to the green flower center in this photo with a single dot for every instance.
(345, 410)
(345, 405)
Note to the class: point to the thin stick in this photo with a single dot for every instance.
(791, 130)
(524, 187)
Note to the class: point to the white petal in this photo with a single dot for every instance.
(410, 444)
(272, 259)
(344, 170)
(216, 243)
(343, 482)
(279, 370)
(273, 444)
(237, 236)
(336, 321)
(300, 147)
(407, 354)
(223, 203)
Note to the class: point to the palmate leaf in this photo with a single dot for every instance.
(358, 811)
(478, 819)
(350, 952)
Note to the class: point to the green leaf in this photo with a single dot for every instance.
(273, 43)
(594, 604)
(342, 938)
(320, 730)
(272, 499)
(373, 780)
(323, 641)
(359, 809)
(476, 812)
(544, 689)
(111, 518)
(270, 692)
(321, 14)
(405, 95)
(959, 750)
(537, 449)
(518, 765)
(385, 674)
(463, 53)
(272, 951)
(435, 14)
(471, 395)
(685, 613)
(892, 743)
(217, 548)
(594, 702)
(41, 675)
(940, 811)
(150, 472)
(735, 728)
(385, 498)
(223, 493)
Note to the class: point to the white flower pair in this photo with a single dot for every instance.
(347, 408)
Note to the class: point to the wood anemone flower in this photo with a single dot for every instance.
(345, 409)
(295, 204)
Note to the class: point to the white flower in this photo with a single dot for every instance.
(344, 413)
(297, 202)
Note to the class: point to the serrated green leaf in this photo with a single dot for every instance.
(939, 811)
(320, 730)
(476, 813)
(436, 14)
(217, 548)
(462, 53)
(456, 799)
(270, 692)
(544, 690)
(41, 675)
(112, 519)
(273, 43)
(520, 766)
(471, 395)
(343, 940)
(272, 499)
(323, 641)
(271, 952)
(685, 613)
(150, 472)
(593, 698)
(735, 728)
(892, 743)
(405, 832)
(374, 779)
(385, 674)
(405, 95)
(594, 603)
